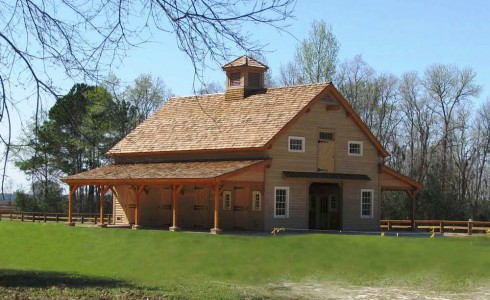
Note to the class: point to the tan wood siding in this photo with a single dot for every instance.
(118, 211)
(345, 130)
(124, 202)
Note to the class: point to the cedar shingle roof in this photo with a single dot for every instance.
(245, 61)
(162, 171)
(209, 122)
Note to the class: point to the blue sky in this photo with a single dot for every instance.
(393, 36)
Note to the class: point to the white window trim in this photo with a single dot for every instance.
(355, 142)
(287, 202)
(254, 194)
(372, 204)
(224, 200)
(296, 138)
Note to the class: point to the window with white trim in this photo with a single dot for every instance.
(227, 200)
(296, 144)
(281, 202)
(256, 200)
(355, 148)
(367, 203)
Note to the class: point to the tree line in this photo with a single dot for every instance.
(74, 135)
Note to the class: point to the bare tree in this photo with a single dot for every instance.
(353, 80)
(84, 38)
(146, 95)
(211, 88)
(450, 88)
(289, 74)
(417, 125)
(315, 58)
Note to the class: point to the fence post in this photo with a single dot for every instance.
(470, 226)
(441, 227)
(57, 218)
(22, 217)
(34, 217)
(82, 218)
(44, 218)
(10, 216)
(389, 225)
(95, 219)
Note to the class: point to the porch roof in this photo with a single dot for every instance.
(163, 173)
(392, 180)
(323, 175)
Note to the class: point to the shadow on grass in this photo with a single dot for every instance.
(41, 279)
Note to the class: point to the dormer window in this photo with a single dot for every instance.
(235, 79)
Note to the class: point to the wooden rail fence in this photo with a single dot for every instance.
(440, 226)
(23, 216)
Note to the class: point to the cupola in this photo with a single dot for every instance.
(244, 76)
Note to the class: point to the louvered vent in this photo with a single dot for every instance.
(254, 80)
(235, 79)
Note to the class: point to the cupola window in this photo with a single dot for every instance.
(235, 79)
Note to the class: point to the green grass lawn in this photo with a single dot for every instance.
(53, 258)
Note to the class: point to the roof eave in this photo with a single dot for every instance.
(155, 153)
(417, 185)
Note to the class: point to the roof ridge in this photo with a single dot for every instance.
(271, 88)
(300, 85)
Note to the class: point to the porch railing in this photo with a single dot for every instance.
(82, 218)
(440, 226)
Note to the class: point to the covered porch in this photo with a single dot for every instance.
(134, 185)
(392, 180)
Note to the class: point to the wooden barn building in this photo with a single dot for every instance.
(250, 158)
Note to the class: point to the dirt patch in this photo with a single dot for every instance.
(332, 291)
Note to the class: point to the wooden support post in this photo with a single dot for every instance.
(176, 189)
(139, 189)
(72, 190)
(103, 191)
(470, 227)
(217, 193)
(413, 197)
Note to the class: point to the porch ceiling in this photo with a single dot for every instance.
(162, 173)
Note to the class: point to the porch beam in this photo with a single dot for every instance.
(176, 189)
(72, 191)
(217, 188)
